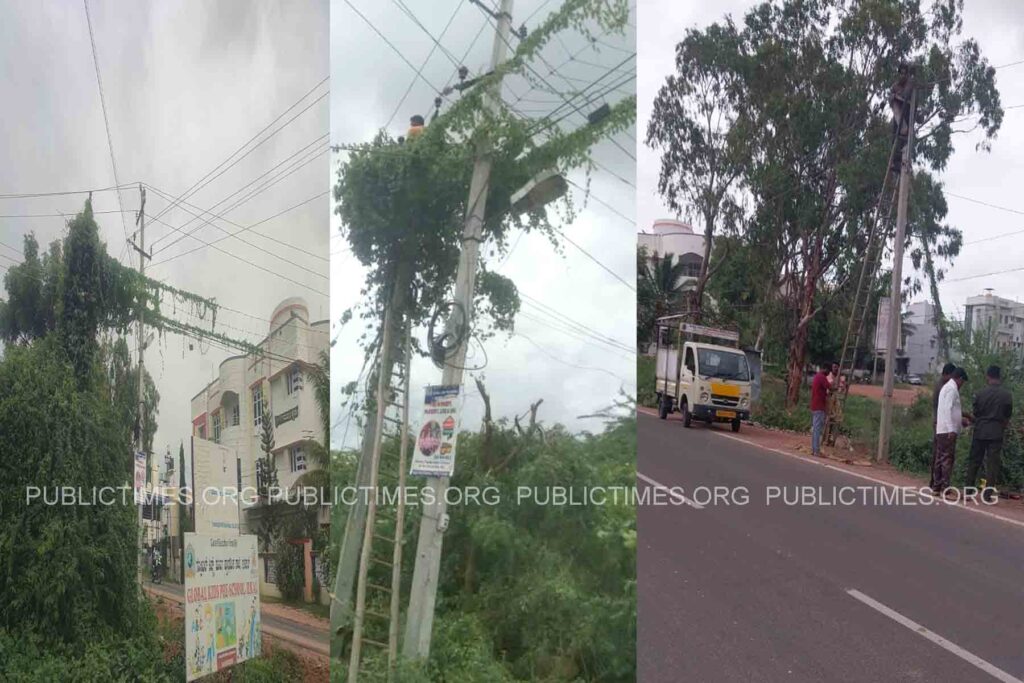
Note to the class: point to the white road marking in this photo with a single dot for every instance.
(675, 494)
(819, 463)
(963, 654)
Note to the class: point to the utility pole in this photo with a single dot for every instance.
(434, 522)
(140, 442)
(895, 294)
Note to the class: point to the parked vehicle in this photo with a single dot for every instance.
(915, 380)
(701, 373)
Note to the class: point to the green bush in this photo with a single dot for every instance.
(645, 382)
(289, 569)
(25, 658)
(280, 666)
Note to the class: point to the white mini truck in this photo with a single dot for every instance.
(701, 372)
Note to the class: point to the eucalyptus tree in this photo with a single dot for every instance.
(695, 126)
(812, 81)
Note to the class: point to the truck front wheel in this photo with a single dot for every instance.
(736, 425)
(685, 410)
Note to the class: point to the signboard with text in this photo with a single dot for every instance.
(434, 452)
(215, 476)
(222, 602)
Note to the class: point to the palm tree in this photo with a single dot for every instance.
(668, 285)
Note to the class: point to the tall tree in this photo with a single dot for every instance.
(812, 79)
(694, 124)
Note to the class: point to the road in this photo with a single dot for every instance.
(775, 592)
(292, 632)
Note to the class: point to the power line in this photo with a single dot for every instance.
(55, 215)
(975, 277)
(252, 182)
(206, 179)
(253, 264)
(991, 206)
(106, 120)
(595, 260)
(250, 227)
(567, 363)
(32, 195)
(255, 246)
(562, 316)
(255, 192)
(391, 45)
(419, 71)
(603, 203)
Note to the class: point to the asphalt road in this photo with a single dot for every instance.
(776, 592)
(295, 633)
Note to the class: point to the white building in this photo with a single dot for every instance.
(251, 388)
(674, 237)
(1003, 318)
(921, 341)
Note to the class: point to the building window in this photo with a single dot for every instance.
(235, 415)
(298, 456)
(216, 427)
(202, 431)
(294, 380)
(257, 405)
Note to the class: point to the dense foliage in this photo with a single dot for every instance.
(531, 591)
(402, 207)
(67, 581)
(289, 569)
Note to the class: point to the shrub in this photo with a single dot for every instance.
(289, 568)
(645, 382)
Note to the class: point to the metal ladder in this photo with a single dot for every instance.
(879, 232)
(384, 527)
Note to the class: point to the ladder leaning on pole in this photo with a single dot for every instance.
(376, 617)
(878, 235)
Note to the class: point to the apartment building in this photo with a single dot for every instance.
(1002, 318)
(268, 385)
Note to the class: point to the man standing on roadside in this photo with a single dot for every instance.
(947, 372)
(820, 388)
(993, 406)
(949, 420)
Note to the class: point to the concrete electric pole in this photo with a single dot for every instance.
(434, 522)
(909, 101)
(140, 443)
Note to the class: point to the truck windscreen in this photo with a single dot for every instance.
(723, 365)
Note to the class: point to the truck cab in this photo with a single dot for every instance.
(701, 373)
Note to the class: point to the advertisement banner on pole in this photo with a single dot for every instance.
(885, 319)
(222, 602)
(434, 453)
(140, 477)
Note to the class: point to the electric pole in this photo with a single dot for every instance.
(906, 114)
(434, 521)
(140, 442)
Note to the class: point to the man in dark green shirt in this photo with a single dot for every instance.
(993, 406)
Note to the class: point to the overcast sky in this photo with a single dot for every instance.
(186, 84)
(572, 374)
(998, 26)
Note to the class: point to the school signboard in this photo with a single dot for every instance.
(222, 602)
(434, 453)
